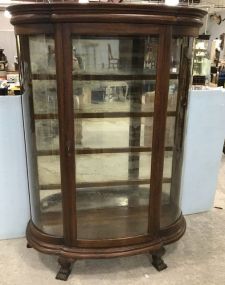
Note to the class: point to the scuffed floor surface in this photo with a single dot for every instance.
(197, 259)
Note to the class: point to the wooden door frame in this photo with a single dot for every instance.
(159, 129)
(63, 52)
(63, 38)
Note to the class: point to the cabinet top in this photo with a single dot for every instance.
(105, 13)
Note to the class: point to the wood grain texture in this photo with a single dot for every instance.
(102, 150)
(66, 129)
(88, 249)
(105, 12)
(159, 129)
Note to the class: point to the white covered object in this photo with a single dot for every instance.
(204, 138)
(14, 198)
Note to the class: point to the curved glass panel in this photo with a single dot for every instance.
(170, 208)
(42, 131)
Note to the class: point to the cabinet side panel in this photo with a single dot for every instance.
(41, 130)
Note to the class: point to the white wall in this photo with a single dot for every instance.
(7, 39)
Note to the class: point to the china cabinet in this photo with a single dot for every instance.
(105, 90)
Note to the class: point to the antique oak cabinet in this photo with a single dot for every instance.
(105, 90)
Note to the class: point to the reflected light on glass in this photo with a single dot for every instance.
(7, 14)
(171, 2)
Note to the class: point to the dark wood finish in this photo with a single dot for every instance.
(101, 248)
(88, 115)
(104, 183)
(102, 150)
(29, 246)
(64, 20)
(184, 81)
(114, 30)
(110, 77)
(106, 13)
(157, 260)
(65, 107)
(159, 127)
(119, 77)
(96, 225)
(34, 29)
(65, 269)
(136, 90)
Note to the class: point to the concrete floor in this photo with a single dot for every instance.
(198, 258)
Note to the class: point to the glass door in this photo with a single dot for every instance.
(114, 83)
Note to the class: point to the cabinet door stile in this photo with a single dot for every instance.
(66, 125)
(159, 127)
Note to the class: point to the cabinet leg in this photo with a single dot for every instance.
(65, 269)
(157, 260)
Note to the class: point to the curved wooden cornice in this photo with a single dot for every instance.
(105, 12)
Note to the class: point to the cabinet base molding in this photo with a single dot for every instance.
(68, 254)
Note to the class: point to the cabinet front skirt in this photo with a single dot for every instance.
(54, 245)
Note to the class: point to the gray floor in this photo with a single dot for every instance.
(198, 258)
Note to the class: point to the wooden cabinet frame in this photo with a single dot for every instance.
(64, 20)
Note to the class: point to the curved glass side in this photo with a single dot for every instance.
(40, 108)
(170, 200)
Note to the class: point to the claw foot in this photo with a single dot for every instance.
(65, 269)
(157, 260)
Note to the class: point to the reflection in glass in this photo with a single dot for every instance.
(47, 135)
(169, 210)
(49, 170)
(170, 128)
(167, 170)
(45, 96)
(112, 167)
(175, 55)
(172, 95)
(51, 211)
(112, 212)
(111, 132)
(170, 198)
(108, 55)
(42, 136)
(114, 96)
(169, 135)
(42, 54)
